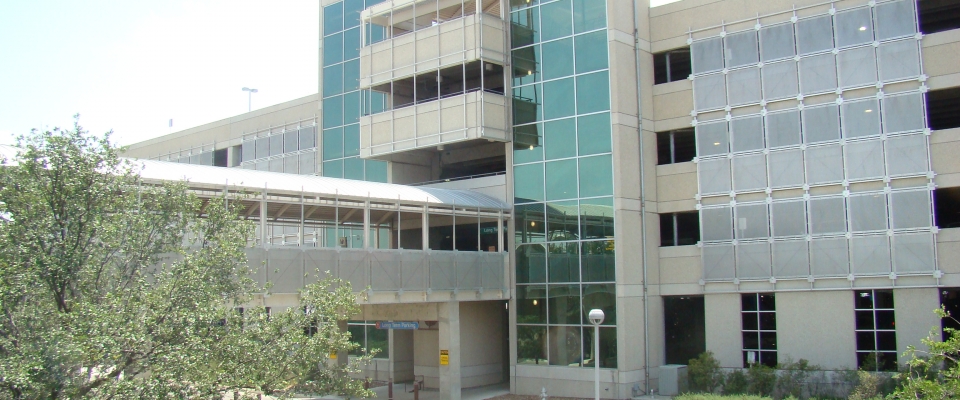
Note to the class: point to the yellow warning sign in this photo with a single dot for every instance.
(333, 355)
(444, 357)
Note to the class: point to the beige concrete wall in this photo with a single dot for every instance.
(948, 256)
(818, 327)
(913, 311)
(481, 340)
(944, 147)
(724, 337)
(229, 132)
(426, 357)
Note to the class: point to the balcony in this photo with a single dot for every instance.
(405, 38)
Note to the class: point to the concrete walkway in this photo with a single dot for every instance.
(478, 393)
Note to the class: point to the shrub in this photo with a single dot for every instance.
(702, 396)
(763, 379)
(736, 383)
(867, 387)
(793, 377)
(704, 373)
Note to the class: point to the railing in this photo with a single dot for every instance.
(459, 178)
(290, 269)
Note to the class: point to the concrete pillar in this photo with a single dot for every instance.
(449, 321)
(343, 356)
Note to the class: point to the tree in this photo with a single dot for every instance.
(114, 288)
(935, 373)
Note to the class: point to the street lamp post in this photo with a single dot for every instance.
(250, 92)
(596, 318)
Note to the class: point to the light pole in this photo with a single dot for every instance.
(596, 318)
(250, 92)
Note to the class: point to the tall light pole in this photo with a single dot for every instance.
(596, 318)
(250, 92)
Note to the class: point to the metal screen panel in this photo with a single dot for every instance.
(317, 262)
(468, 270)
(413, 270)
(385, 270)
(861, 118)
(308, 163)
(903, 113)
(740, 49)
(707, 55)
(821, 123)
(791, 259)
(275, 165)
(753, 260)
(864, 159)
(907, 155)
(709, 92)
(870, 255)
(913, 253)
(443, 270)
(895, 19)
(786, 168)
(899, 60)
(776, 41)
(814, 34)
(868, 212)
(491, 274)
(910, 209)
(818, 74)
(780, 80)
(783, 128)
(285, 270)
(719, 262)
(789, 218)
(712, 139)
(714, 176)
(747, 133)
(858, 67)
(355, 268)
(854, 27)
(749, 172)
(827, 216)
(716, 224)
(256, 260)
(824, 164)
(743, 86)
(752, 221)
(829, 257)
(291, 164)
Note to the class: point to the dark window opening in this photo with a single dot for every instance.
(943, 108)
(758, 318)
(673, 65)
(946, 207)
(684, 328)
(680, 229)
(938, 15)
(876, 333)
(433, 85)
(482, 166)
(950, 300)
(676, 146)
(220, 158)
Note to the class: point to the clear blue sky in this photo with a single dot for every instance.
(131, 66)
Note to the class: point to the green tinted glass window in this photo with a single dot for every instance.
(563, 221)
(564, 304)
(351, 75)
(526, 65)
(531, 264)
(332, 143)
(333, 112)
(378, 341)
(351, 13)
(376, 171)
(357, 336)
(528, 183)
(564, 262)
(524, 27)
(527, 104)
(333, 169)
(333, 18)
(351, 108)
(527, 144)
(589, 15)
(560, 139)
(591, 51)
(558, 98)
(351, 140)
(593, 92)
(604, 297)
(531, 344)
(596, 176)
(596, 218)
(529, 223)
(518, 4)
(333, 49)
(531, 304)
(598, 261)
(351, 44)
(561, 179)
(556, 19)
(332, 80)
(353, 168)
(558, 58)
(593, 134)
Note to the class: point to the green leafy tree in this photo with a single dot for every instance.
(114, 288)
(935, 373)
(704, 373)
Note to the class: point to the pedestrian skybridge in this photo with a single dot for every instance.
(395, 243)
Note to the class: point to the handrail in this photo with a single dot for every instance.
(459, 178)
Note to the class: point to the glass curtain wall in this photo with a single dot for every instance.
(563, 182)
(341, 95)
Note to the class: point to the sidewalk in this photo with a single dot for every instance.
(478, 393)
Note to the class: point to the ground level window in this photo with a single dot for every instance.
(680, 229)
(950, 300)
(673, 65)
(876, 330)
(676, 146)
(947, 207)
(943, 108)
(684, 328)
(758, 318)
(366, 334)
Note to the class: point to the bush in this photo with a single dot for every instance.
(763, 379)
(704, 373)
(793, 377)
(736, 383)
(868, 386)
(701, 396)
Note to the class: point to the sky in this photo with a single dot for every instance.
(131, 66)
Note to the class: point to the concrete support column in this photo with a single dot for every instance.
(343, 356)
(449, 321)
(401, 355)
